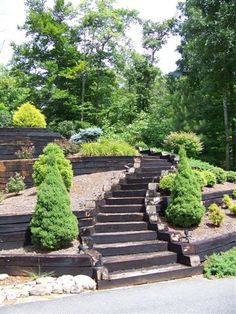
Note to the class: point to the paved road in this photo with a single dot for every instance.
(196, 295)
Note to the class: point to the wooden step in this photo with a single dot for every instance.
(129, 193)
(120, 217)
(124, 200)
(134, 180)
(120, 226)
(149, 275)
(127, 236)
(134, 261)
(122, 208)
(157, 169)
(144, 175)
(135, 186)
(124, 248)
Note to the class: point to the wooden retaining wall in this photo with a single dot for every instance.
(15, 233)
(203, 248)
(12, 140)
(80, 165)
(64, 264)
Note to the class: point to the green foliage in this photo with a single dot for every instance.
(231, 176)
(15, 184)
(199, 175)
(216, 216)
(185, 209)
(26, 152)
(65, 128)
(141, 144)
(210, 178)
(53, 225)
(219, 173)
(198, 164)
(29, 116)
(64, 165)
(107, 148)
(190, 141)
(167, 182)
(221, 264)
(86, 135)
(232, 208)
(5, 116)
(234, 193)
(227, 201)
(67, 147)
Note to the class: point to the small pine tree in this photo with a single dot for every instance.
(185, 209)
(53, 224)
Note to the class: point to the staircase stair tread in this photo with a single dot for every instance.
(128, 197)
(140, 256)
(146, 271)
(124, 233)
(124, 244)
(121, 214)
(121, 223)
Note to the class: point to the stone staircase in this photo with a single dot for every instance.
(131, 253)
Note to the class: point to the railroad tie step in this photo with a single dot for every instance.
(127, 236)
(120, 217)
(130, 208)
(120, 226)
(133, 261)
(148, 275)
(125, 248)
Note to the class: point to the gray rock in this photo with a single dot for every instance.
(3, 276)
(45, 280)
(41, 289)
(75, 289)
(84, 282)
(2, 297)
(67, 286)
(65, 279)
(57, 288)
(11, 294)
(23, 292)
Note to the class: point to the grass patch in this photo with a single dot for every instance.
(107, 148)
(221, 265)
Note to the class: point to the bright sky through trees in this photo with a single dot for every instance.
(12, 13)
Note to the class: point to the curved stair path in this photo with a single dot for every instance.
(131, 253)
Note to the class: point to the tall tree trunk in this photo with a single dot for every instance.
(227, 133)
(234, 141)
(82, 96)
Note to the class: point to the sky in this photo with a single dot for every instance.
(12, 13)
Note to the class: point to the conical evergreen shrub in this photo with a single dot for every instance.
(185, 209)
(53, 224)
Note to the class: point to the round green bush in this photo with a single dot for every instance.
(200, 178)
(219, 173)
(209, 177)
(29, 116)
(167, 182)
(64, 165)
(190, 141)
(185, 208)
(231, 176)
(53, 225)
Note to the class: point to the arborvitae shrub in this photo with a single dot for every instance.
(167, 182)
(190, 141)
(200, 178)
(185, 209)
(219, 173)
(53, 224)
(231, 176)
(64, 165)
(216, 216)
(209, 177)
(29, 116)
(227, 201)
